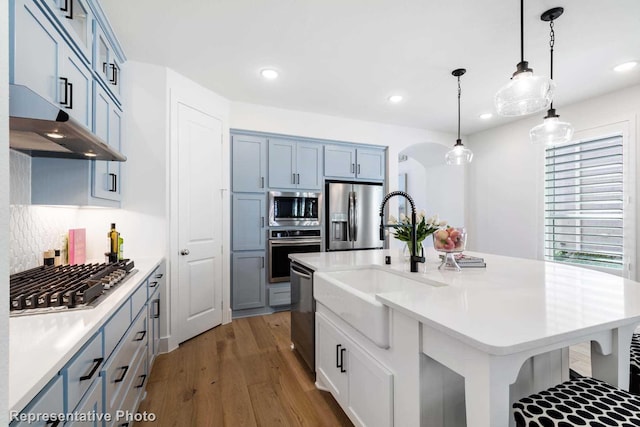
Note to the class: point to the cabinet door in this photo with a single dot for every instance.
(282, 168)
(248, 163)
(339, 161)
(248, 221)
(331, 359)
(107, 126)
(91, 404)
(76, 18)
(308, 166)
(370, 164)
(76, 96)
(249, 278)
(36, 51)
(48, 401)
(370, 389)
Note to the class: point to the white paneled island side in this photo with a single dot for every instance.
(469, 342)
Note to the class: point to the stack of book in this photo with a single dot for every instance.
(468, 261)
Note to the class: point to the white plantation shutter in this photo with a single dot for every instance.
(584, 203)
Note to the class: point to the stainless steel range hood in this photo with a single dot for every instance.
(41, 129)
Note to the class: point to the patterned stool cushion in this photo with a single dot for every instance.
(634, 376)
(635, 351)
(579, 402)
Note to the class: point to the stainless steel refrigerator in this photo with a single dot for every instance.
(353, 215)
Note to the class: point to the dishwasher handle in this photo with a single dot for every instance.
(300, 273)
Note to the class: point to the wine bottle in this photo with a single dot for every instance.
(113, 241)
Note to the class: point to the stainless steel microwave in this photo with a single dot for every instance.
(294, 208)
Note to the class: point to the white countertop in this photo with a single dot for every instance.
(511, 305)
(41, 344)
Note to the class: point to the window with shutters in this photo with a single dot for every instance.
(585, 203)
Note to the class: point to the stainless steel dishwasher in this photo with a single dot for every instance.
(303, 309)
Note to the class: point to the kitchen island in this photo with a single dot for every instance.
(40, 345)
(483, 325)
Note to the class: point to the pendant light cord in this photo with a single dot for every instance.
(459, 93)
(552, 42)
(521, 30)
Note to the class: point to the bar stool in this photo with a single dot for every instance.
(581, 401)
(634, 374)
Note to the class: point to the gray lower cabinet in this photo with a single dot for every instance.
(248, 163)
(249, 221)
(249, 279)
(49, 401)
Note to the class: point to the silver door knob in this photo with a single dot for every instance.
(184, 252)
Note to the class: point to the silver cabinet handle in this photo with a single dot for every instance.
(358, 168)
(184, 252)
(298, 178)
(261, 222)
(293, 178)
(262, 182)
(262, 262)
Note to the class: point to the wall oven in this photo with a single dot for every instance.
(294, 209)
(285, 242)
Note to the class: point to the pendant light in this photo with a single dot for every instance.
(525, 93)
(551, 131)
(459, 154)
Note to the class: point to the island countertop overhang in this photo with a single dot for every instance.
(513, 305)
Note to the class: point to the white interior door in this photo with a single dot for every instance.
(200, 219)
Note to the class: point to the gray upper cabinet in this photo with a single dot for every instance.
(295, 164)
(354, 163)
(249, 221)
(370, 164)
(106, 179)
(339, 161)
(248, 163)
(36, 51)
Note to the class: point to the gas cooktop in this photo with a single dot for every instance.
(48, 289)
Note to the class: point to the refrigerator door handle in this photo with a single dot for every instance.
(355, 216)
(350, 214)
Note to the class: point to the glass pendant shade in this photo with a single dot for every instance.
(551, 132)
(458, 155)
(524, 94)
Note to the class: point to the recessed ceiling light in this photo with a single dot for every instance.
(625, 67)
(54, 135)
(395, 98)
(486, 116)
(269, 74)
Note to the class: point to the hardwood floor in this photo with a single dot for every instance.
(240, 374)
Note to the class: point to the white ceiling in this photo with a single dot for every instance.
(345, 57)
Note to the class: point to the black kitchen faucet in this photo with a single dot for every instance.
(415, 259)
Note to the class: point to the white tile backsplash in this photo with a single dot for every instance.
(33, 229)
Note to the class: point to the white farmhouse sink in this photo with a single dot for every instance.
(351, 294)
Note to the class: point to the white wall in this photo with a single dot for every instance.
(437, 187)
(4, 214)
(505, 181)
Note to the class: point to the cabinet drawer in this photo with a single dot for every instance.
(116, 327)
(49, 401)
(138, 299)
(279, 296)
(118, 371)
(83, 370)
(157, 279)
(134, 390)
